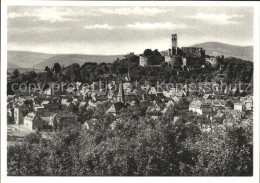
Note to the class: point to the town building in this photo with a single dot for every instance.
(62, 119)
(200, 108)
(20, 110)
(115, 108)
(169, 110)
(32, 121)
(238, 107)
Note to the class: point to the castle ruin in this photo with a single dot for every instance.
(182, 57)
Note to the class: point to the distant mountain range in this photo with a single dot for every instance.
(216, 48)
(24, 59)
(12, 66)
(30, 60)
(76, 58)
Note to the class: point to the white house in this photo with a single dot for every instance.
(238, 107)
(32, 121)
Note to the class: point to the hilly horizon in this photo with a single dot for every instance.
(26, 59)
(29, 60)
(36, 60)
(12, 66)
(67, 59)
(216, 48)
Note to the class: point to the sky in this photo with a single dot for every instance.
(120, 30)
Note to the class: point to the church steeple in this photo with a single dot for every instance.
(120, 95)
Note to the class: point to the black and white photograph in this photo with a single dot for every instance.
(130, 89)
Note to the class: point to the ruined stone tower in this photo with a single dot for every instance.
(174, 44)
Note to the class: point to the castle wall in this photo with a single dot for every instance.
(184, 61)
(213, 61)
(143, 61)
(168, 59)
(173, 60)
(193, 51)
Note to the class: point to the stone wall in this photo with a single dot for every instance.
(143, 61)
(173, 60)
(193, 51)
(213, 61)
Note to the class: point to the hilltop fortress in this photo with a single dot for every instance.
(185, 56)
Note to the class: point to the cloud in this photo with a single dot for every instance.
(64, 14)
(220, 19)
(141, 26)
(50, 14)
(149, 11)
(34, 30)
(99, 26)
(163, 26)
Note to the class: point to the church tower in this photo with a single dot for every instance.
(120, 95)
(174, 44)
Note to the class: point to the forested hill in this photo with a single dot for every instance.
(68, 59)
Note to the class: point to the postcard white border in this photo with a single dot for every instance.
(8, 179)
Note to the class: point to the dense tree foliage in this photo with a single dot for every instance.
(154, 56)
(135, 146)
(56, 68)
(233, 71)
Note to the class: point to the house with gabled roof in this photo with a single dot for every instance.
(195, 107)
(238, 106)
(168, 110)
(115, 108)
(176, 99)
(83, 104)
(50, 106)
(200, 108)
(248, 105)
(66, 103)
(55, 89)
(62, 119)
(153, 111)
(169, 102)
(100, 96)
(32, 121)
(158, 102)
(20, 111)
